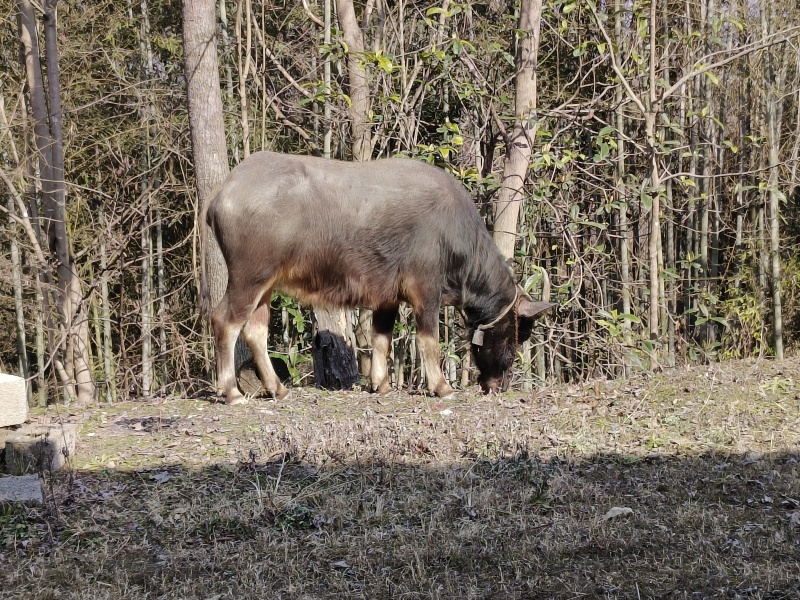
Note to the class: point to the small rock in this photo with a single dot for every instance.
(162, 477)
(13, 400)
(34, 448)
(23, 488)
(617, 511)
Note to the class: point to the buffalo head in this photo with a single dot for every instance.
(494, 355)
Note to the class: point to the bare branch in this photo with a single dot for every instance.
(24, 220)
(771, 40)
(628, 90)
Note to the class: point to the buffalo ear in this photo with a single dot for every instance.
(530, 309)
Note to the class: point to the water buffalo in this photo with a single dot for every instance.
(372, 234)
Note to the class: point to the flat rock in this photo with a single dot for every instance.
(23, 488)
(13, 400)
(35, 448)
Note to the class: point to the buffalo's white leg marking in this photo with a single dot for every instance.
(379, 374)
(431, 360)
(226, 331)
(255, 334)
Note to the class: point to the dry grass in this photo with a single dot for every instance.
(355, 496)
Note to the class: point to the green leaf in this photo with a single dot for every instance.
(384, 63)
(595, 224)
(721, 320)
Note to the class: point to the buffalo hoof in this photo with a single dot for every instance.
(235, 398)
(445, 392)
(383, 388)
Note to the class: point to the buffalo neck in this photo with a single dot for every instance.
(488, 286)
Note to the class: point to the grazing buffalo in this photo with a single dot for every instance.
(371, 234)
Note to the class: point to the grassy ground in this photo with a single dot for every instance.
(352, 495)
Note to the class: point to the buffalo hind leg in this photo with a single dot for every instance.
(428, 341)
(227, 320)
(382, 327)
(255, 334)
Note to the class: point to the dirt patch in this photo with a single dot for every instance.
(148, 424)
(681, 485)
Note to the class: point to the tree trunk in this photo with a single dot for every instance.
(509, 201)
(243, 60)
(46, 113)
(148, 110)
(162, 299)
(226, 61)
(105, 312)
(19, 310)
(326, 78)
(334, 355)
(206, 122)
(655, 185)
(622, 195)
(357, 81)
(145, 298)
(773, 86)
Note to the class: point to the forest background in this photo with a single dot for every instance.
(658, 208)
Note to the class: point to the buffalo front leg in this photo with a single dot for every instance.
(428, 341)
(256, 333)
(382, 327)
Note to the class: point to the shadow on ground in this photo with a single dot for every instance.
(712, 526)
(337, 496)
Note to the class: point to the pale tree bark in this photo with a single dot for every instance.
(705, 185)
(357, 81)
(622, 194)
(29, 209)
(162, 298)
(226, 60)
(149, 117)
(16, 275)
(41, 147)
(774, 79)
(509, 202)
(326, 78)
(77, 316)
(206, 122)
(338, 323)
(655, 180)
(146, 304)
(105, 312)
(668, 254)
(243, 49)
(73, 364)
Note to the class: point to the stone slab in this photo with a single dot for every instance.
(13, 400)
(36, 448)
(26, 489)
